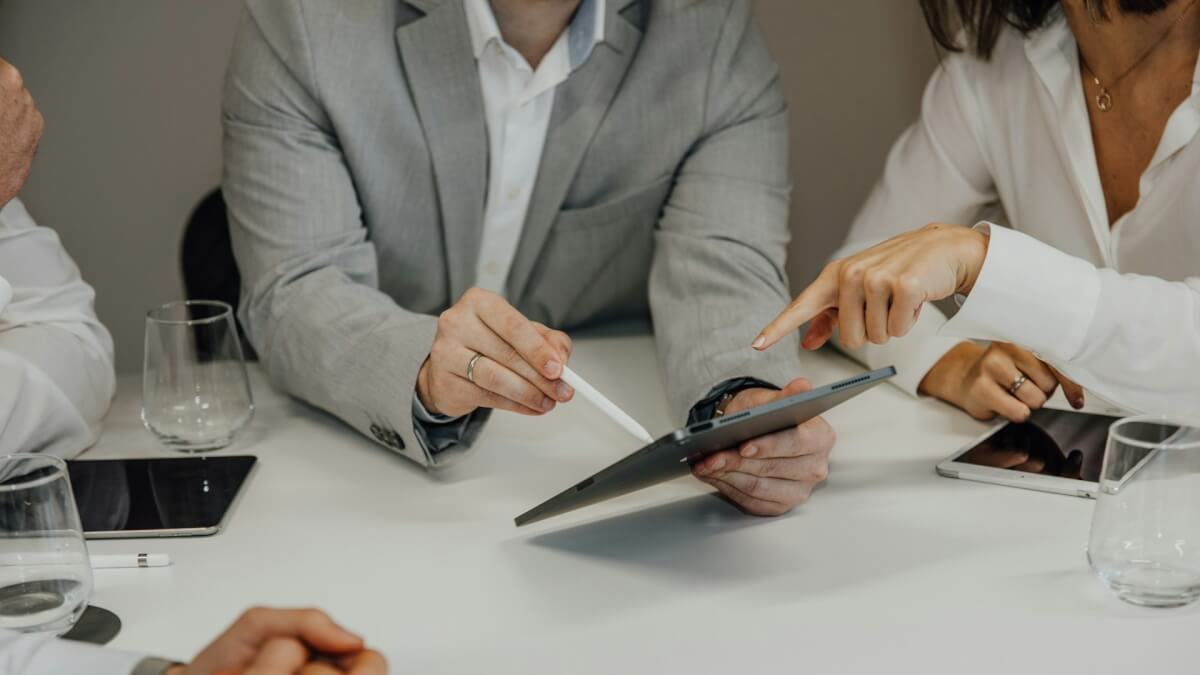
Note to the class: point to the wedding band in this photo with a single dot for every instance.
(1017, 384)
(471, 367)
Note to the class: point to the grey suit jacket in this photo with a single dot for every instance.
(356, 164)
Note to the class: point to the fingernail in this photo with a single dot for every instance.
(760, 341)
(553, 368)
(1077, 403)
(750, 451)
(547, 403)
(563, 391)
(717, 465)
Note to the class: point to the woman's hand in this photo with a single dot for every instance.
(980, 381)
(878, 294)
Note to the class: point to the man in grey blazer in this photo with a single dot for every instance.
(418, 189)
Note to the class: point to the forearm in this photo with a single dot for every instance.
(1133, 340)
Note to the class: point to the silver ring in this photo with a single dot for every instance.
(1017, 384)
(471, 367)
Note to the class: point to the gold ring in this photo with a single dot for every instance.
(471, 367)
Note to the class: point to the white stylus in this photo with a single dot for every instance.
(113, 561)
(606, 406)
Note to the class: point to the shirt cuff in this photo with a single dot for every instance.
(1030, 294)
(422, 415)
(5, 293)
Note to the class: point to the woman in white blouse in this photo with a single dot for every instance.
(1079, 119)
(56, 359)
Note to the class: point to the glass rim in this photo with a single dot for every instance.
(225, 307)
(59, 465)
(1114, 431)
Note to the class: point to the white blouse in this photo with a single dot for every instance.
(56, 359)
(1118, 309)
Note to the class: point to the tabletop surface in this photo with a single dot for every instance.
(889, 568)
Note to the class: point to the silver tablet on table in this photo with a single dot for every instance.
(1055, 451)
(673, 455)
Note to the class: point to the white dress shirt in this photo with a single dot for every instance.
(1117, 309)
(56, 359)
(518, 102)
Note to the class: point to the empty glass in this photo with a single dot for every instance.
(45, 573)
(195, 391)
(1145, 541)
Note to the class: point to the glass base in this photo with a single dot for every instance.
(1155, 586)
(194, 448)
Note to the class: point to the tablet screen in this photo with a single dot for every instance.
(156, 494)
(1051, 443)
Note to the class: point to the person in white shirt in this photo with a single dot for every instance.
(261, 642)
(56, 359)
(1080, 121)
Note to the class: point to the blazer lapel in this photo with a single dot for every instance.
(444, 82)
(580, 105)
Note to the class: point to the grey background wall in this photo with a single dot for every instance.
(130, 92)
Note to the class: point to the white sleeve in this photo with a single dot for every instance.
(1133, 340)
(56, 359)
(936, 172)
(22, 654)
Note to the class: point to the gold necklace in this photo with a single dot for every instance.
(1104, 100)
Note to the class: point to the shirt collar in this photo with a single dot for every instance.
(585, 32)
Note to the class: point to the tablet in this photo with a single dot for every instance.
(1055, 451)
(160, 497)
(673, 455)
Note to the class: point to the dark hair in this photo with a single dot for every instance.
(983, 21)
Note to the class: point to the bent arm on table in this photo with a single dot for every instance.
(1134, 340)
(55, 356)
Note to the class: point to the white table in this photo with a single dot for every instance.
(888, 569)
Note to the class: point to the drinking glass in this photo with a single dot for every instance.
(45, 573)
(1145, 540)
(195, 391)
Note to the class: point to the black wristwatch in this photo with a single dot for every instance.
(721, 395)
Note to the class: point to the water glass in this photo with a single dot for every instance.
(195, 391)
(1145, 540)
(45, 573)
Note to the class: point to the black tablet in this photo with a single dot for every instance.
(161, 497)
(673, 455)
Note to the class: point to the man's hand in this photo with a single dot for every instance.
(518, 371)
(285, 642)
(877, 294)
(21, 128)
(979, 380)
(771, 475)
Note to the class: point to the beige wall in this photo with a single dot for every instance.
(130, 91)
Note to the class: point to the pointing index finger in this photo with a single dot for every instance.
(818, 297)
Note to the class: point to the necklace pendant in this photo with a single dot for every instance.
(1104, 100)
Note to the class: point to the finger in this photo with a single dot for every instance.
(279, 655)
(506, 322)
(852, 308)
(1029, 394)
(878, 299)
(818, 297)
(907, 298)
(814, 437)
(820, 330)
(812, 468)
(460, 389)
(1071, 389)
(1031, 466)
(998, 399)
(745, 502)
(777, 490)
(319, 668)
(312, 626)
(557, 338)
(481, 340)
(495, 378)
(368, 662)
(1000, 365)
(1041, 374)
